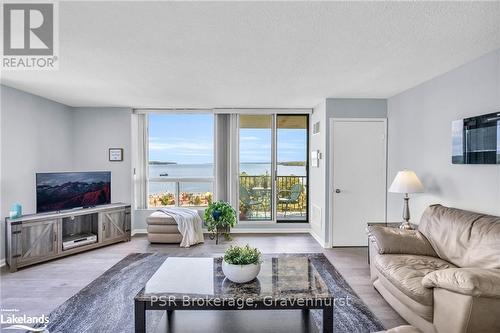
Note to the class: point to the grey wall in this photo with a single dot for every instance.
(95, 130)
(420, 139)
(356, 108)
(36, 136)
(39, 135)
(346, 108)
(320, 177)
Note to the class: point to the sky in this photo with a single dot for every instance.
(188, 139)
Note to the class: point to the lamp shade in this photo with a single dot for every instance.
(406, 181)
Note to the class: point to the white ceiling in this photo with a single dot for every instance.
(260, 54)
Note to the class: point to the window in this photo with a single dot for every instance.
(180, 159)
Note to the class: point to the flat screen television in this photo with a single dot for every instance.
(66, 190)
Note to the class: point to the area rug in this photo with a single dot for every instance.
(106, 304)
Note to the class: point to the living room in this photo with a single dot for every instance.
(141, 155)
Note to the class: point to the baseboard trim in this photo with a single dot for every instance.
(318, 239)
(249, 231)
(139, 231)
(269, 230)
(2, 262)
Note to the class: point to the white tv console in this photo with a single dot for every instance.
(35, 238)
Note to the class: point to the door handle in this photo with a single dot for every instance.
(337, 190)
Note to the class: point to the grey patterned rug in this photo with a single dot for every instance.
(106, 304)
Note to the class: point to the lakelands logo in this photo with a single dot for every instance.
(23, 322)
(30, 38)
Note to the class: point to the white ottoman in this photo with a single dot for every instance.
(162, 229)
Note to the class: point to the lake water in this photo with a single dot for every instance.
(207, 170)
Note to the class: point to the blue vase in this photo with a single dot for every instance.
(16, 210)
(216, 214)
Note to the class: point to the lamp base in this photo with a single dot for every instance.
(405, 226)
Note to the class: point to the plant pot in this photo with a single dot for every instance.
(240, 273)
(216, 214)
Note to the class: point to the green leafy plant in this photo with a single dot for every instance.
(220, 217)
(242, 255)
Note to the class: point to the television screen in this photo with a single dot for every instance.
(66, 190)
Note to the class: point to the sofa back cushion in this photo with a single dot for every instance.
(464, 238)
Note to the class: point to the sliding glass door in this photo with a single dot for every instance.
(273, 168)
(291, 168)
(255, 189)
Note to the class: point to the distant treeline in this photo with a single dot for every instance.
(296, 163)
(160, 163)
(292, 163)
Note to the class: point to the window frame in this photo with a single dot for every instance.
(274, 171)
(177, 180)
(141, 177)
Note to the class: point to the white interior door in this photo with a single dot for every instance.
(358, 150)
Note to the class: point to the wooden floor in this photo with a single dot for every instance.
(39, 289)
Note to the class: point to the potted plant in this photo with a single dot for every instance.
(241, 263)
(219, 218)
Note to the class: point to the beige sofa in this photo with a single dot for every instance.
(443, 277)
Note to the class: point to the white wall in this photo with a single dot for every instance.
(317, 176)
(420, 139)
(36, 136)
(95, 130)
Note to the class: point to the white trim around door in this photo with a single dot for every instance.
(332, 182)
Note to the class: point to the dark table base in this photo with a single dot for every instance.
(141, 307)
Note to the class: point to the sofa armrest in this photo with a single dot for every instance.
(400, 241)
(466, 281)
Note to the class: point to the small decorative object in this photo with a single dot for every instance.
(241, 263)
(16, 210)
(219, 218)
(116, 154)
(406, 181)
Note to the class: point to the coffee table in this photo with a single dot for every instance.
(187, 283)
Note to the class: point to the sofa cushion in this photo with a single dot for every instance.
(400, 241)
(463, 238)
(160, 218)
(406, 271)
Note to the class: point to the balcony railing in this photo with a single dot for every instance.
(169, 192)
(291, 198)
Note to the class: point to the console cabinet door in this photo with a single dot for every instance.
(113, 225)
(37, 240)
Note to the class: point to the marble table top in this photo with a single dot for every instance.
(280, 278)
